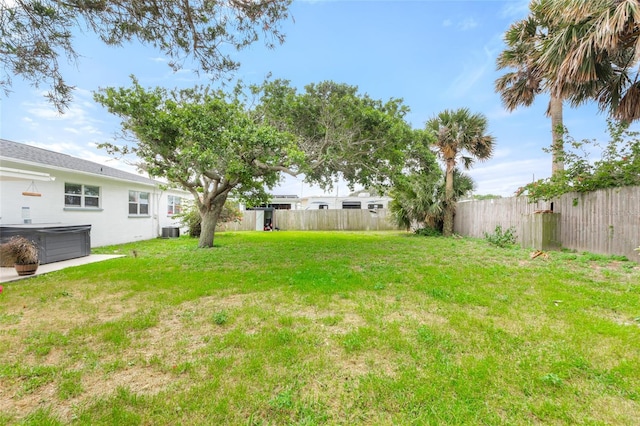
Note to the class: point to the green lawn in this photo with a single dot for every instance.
(324, 328)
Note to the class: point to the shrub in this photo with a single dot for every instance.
(618, 166)
(190, 217)
(428, 231)
(501, 238)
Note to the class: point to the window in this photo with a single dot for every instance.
(351, 205)
(138, 203)
(281, 206)
(78, 195)
(174, 205)
(323, 206)
(375, 206)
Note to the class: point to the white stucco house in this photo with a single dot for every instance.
(265, 214)
(39, 187)
(362, 201)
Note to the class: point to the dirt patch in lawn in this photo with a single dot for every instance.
(145, 366)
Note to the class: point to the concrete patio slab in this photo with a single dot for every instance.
(10, 274)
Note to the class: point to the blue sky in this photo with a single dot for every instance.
(435, 55)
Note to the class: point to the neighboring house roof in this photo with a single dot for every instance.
(33, 155)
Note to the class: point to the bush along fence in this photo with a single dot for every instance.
(606, 221)
(315, 220)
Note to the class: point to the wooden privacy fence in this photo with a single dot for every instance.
(605, 221)
(318, 220)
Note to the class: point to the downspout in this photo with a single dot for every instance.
(156, 216)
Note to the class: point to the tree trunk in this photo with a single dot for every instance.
(449, 205)
(447, 224)
(557, 133)
(209, 215)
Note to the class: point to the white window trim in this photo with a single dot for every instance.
(139, 215)
(83, 196)
(173, 205)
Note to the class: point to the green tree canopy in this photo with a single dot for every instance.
(414, 189)
(213, 145)
(340, 131)
(203, 141)
(419, 191)
(36, 35)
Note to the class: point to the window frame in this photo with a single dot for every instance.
(171, 205)
(86, 192)
(137, 202)
(352, 205)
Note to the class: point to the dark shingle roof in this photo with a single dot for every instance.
(20, 151)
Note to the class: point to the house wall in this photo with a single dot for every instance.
(314, 202)
(110, 224)
(164, 218)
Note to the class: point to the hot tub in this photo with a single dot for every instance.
(55, 241)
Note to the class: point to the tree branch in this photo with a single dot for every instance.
(277, 168)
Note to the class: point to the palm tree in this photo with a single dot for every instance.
(414, 188)
(415, 198)
(458, 133)
(520, 87)
(419, 198)
(593, 53)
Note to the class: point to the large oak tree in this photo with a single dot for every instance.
(202, 141)
(340, 131)
(213, 145)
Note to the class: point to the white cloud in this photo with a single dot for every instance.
(477, 66)
(96, 157)
(77, 118)
(470, 75)
(501, 153)
(61, 147)
(83, 130)
(500, 113)
(505, 177)
(44, 112)
(467, 24)
(462, 25)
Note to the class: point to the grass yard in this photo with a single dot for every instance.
(324, 328)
